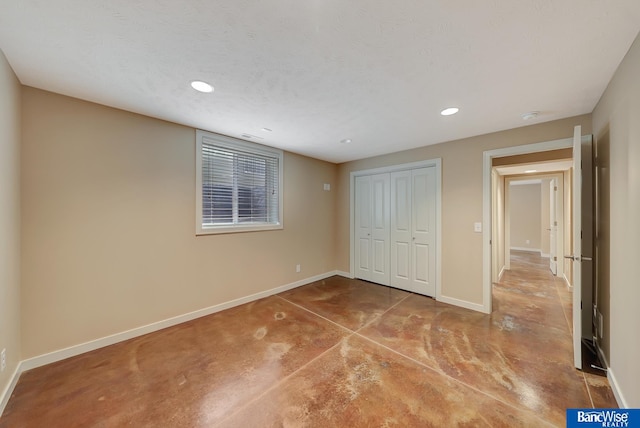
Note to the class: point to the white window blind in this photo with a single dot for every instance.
(239, 185)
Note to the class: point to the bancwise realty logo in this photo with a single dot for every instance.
(619, 418)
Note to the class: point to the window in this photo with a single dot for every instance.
(238, 185)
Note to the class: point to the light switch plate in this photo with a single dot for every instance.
(327, 186)
(477, 227)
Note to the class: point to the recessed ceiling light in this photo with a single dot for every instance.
(449, 111)
(530, 171)
(201, 86)
(530, 115)
(267, 130)
(346, 141)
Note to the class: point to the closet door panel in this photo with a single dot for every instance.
(363, 227)
(401, 230)
(423, 230)
(380, 229)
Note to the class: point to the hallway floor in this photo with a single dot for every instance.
(333, 353)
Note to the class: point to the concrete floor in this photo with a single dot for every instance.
(334, 353)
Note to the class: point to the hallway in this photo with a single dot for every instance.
(537, 297)
(337, 352)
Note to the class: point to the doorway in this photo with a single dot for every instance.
(531, 212)
(581, 249)
(495, 241)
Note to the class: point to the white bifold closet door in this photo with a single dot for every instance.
(413, 230)
(395, 236)
(372, 228)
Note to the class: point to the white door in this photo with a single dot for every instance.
(401, 230)
(413, 234)
(372, 228)
(424, 230)
(380, 229)
(553, 226)
(582, 244)
(363, 228)
(577, 247)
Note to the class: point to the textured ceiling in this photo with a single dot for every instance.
(319, 71)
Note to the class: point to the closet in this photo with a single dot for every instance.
(395, 228)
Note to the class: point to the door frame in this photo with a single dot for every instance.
(437, 163)
(487, 232)
(487, 218)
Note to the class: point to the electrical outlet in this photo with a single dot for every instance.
(3, 360)
(297, 268)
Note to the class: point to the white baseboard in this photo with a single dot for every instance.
(6, 394)
(615, 387)
(612, 382)
(527, 249)
(74, 350)
(462, 303)
(502, 271)
(345, 274)
(544, 255)
(622, 403)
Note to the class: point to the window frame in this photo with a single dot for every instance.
(228, 143)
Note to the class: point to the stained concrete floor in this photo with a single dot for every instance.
(334, 353)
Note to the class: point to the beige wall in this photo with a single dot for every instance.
(618, 111)
(524, 214)
(9, 220)
(461, 197)
(531, 158)
(109, 225)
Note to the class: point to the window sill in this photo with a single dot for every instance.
(215, 230)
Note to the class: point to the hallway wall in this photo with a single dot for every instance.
(616, 118)
(525, 219)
